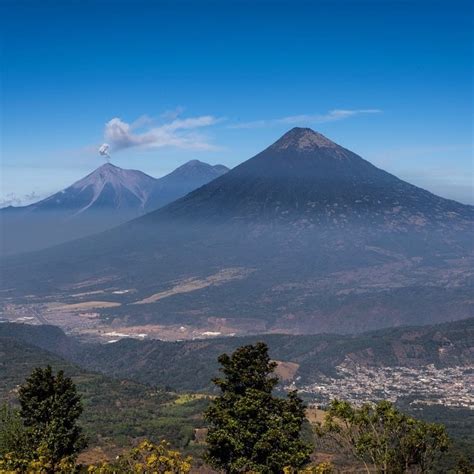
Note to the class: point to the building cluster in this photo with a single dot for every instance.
(427, 385)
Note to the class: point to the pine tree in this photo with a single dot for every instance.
(249, 428)
(50, 409)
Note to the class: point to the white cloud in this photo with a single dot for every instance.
(177, 132)
(120, 135)
(306, 119)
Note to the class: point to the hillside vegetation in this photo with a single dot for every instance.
(116, 411)
(148, 388)
(190, 365)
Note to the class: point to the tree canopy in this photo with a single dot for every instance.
(50, 408)
(383, 438)
(249, 428)
(13, 437)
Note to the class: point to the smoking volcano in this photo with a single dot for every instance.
(107, 197)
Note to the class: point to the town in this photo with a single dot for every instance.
(427, 385)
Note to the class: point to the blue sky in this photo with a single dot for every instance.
(166, 82)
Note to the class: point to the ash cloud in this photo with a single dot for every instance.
(178, 133)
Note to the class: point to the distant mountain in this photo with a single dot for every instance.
(188, 177)
(105, 198)
(107, 188)
(304, 237)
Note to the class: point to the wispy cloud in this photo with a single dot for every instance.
(12, 199)
(173, 113)
(306, 119)
(175, 132)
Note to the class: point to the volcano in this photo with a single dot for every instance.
(305, 177)
(107, 197)
(306, 236)
(107, 188)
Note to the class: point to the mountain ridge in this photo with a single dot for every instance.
(156, 362)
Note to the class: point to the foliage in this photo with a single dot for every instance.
(464, 466)
(250, 430)
(384, 438)
(146, 458)
(321, 468)
(17, 453)
(43, 437)
(38, 462)
(50, 409)
(458, 422)
(13, 437)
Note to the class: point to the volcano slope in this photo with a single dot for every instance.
(304, 237)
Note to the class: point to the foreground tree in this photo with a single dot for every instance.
(50, 409)
(250, 430)
(383, 438)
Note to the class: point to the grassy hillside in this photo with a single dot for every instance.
(115, 411)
